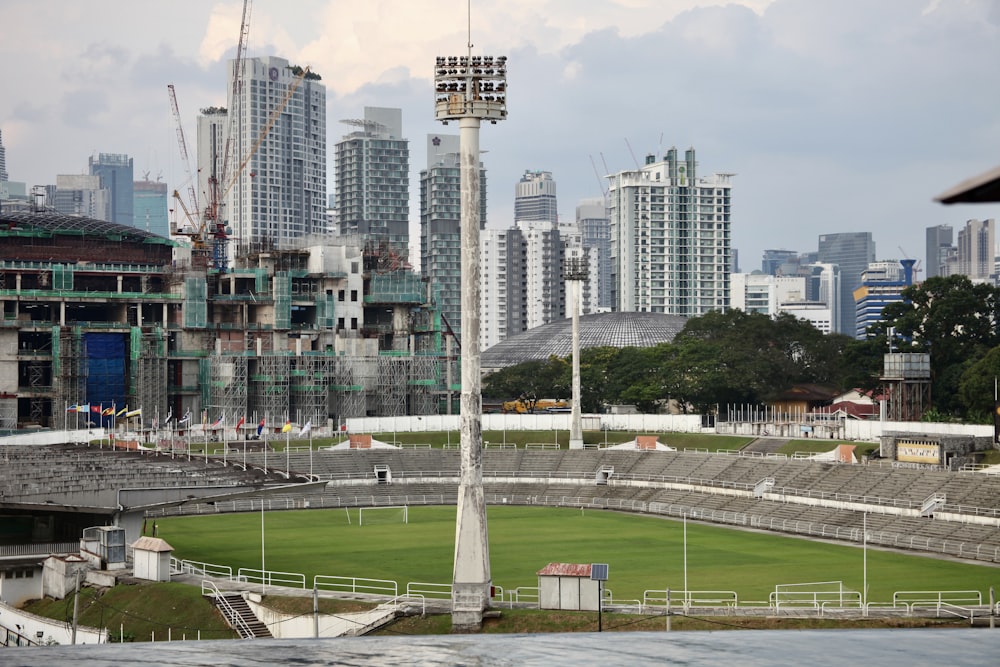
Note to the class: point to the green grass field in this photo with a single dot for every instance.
(643, 552)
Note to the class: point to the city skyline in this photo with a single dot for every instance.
(833, 121)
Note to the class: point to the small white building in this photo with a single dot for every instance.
(568, 586)
(20, 580)
(151, 559)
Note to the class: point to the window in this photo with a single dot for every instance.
(354, 295)
(341, 295)
(354, 324)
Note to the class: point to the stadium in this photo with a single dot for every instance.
(54, 495)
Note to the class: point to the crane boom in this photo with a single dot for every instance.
(192, 193)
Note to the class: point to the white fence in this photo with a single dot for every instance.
(538, 422)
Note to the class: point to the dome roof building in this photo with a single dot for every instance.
(630, 329)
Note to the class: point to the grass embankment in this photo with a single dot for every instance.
(518, 621)
(141, 611)
(644, 552)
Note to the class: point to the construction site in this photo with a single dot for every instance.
(105, 316)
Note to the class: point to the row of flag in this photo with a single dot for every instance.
(218, 423)
(103, 411)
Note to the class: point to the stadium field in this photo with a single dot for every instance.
(643, 552)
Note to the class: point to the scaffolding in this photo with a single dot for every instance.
(269, 384)
(69, 382)
(310, 388)
(149, 372)
(423, 379)
(227, 387)
(389, 393)
(349, 377)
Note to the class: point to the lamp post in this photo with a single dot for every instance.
(470, 89)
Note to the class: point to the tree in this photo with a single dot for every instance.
(955, 321)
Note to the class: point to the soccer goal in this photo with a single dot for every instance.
(380, 515)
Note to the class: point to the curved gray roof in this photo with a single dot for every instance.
(596, 330)
(55, 223)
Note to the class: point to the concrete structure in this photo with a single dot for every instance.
(763, 293)
(568, 586)
(852, 252)
(372, 180)
(440, 240)
(279, 195)
(500, 268)
(670, 249)
(102, 315)
(470, 89)
(116, 174)
(977, 249)
(940, 244)
(576, 274)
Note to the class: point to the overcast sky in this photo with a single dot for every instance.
(836, 115)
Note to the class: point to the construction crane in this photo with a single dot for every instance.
(192, 203)
(211, 223)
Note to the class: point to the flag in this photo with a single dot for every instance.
(108, 412)
(84, 407)
(306, 428)
(287, 427)
(122, 411)
(240, 422)
(186, 419)
(133, 413)
(260, 428)
(95, 408)
(220, 421)
(72, 408)
(170, 415)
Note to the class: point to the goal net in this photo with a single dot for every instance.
(370, 516)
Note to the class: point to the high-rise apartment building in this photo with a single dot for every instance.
(780, 262)
(372, 179)
(115, 171)
(150, 207)
(977, 249)
(595, 233)
(670, 237)
(280, 193)
(940, 244)
(852, 251)
(440, 217)
(535, 197)
(212, 126)
(3, 160)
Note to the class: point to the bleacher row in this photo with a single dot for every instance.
(38, 473)
(639, 482)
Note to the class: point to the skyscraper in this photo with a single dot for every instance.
(81, 195)
(372, 179)
(939, 245)
(151, 207)
(670, 237)
(852, 251)
(595, 232)
(440, 212)
(882, 283)
(977, 249)
(535, 197)
(115, 172)
(3, 160)
(280, 193)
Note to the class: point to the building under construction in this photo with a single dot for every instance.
(97, 314)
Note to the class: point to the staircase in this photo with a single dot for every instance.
(236, 611)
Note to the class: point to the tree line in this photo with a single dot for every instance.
(736, 357)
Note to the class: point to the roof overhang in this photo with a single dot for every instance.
(976, 190)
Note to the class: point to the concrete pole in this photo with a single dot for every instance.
(471, 584)
(576, 421)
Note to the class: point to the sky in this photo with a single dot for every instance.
(835, 115)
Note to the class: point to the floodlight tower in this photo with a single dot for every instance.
(576, 273)
(470, 89)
